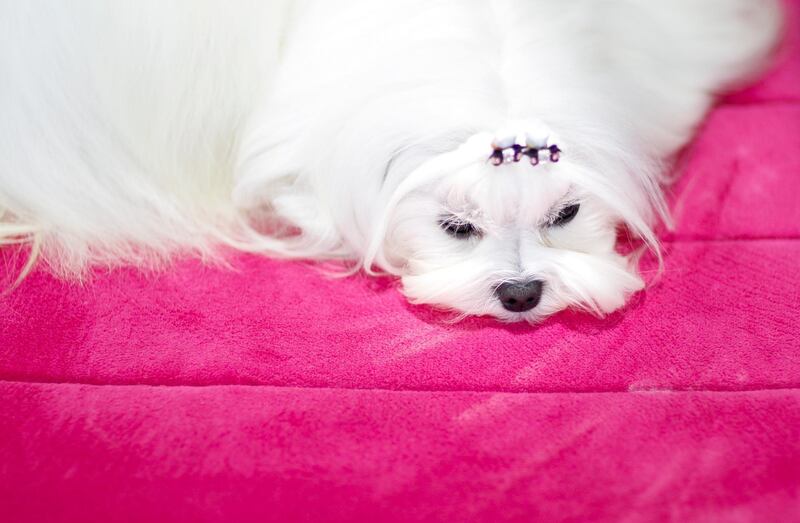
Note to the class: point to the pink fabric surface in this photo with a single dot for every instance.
(269, 392)
(259, 453)
(721, 318)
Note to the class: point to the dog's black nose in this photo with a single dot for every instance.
(519, 296)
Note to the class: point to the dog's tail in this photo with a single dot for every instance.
(123, 153)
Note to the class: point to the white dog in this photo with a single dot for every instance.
(484, 151)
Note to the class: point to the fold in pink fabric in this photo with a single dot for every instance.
(269, 392)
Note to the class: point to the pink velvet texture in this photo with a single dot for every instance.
(269, 392)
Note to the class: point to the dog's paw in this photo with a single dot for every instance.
(526, 139)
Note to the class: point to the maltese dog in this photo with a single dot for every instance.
(485, 152)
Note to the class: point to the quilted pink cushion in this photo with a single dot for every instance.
(272, 393)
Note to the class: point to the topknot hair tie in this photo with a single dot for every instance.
(508, 148)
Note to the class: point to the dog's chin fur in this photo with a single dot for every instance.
(314, 129)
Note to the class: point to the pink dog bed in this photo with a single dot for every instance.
(271, 393)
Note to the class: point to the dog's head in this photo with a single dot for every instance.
(514, 241)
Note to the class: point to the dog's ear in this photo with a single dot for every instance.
(473, 151)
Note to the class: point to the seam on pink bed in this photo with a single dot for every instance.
(413, 391)
(729, 239)
(725, 102)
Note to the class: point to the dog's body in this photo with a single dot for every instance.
(362, 130)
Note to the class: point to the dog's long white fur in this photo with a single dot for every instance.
(309, 128)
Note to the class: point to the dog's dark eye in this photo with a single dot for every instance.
(458, 228)
(566, 214)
